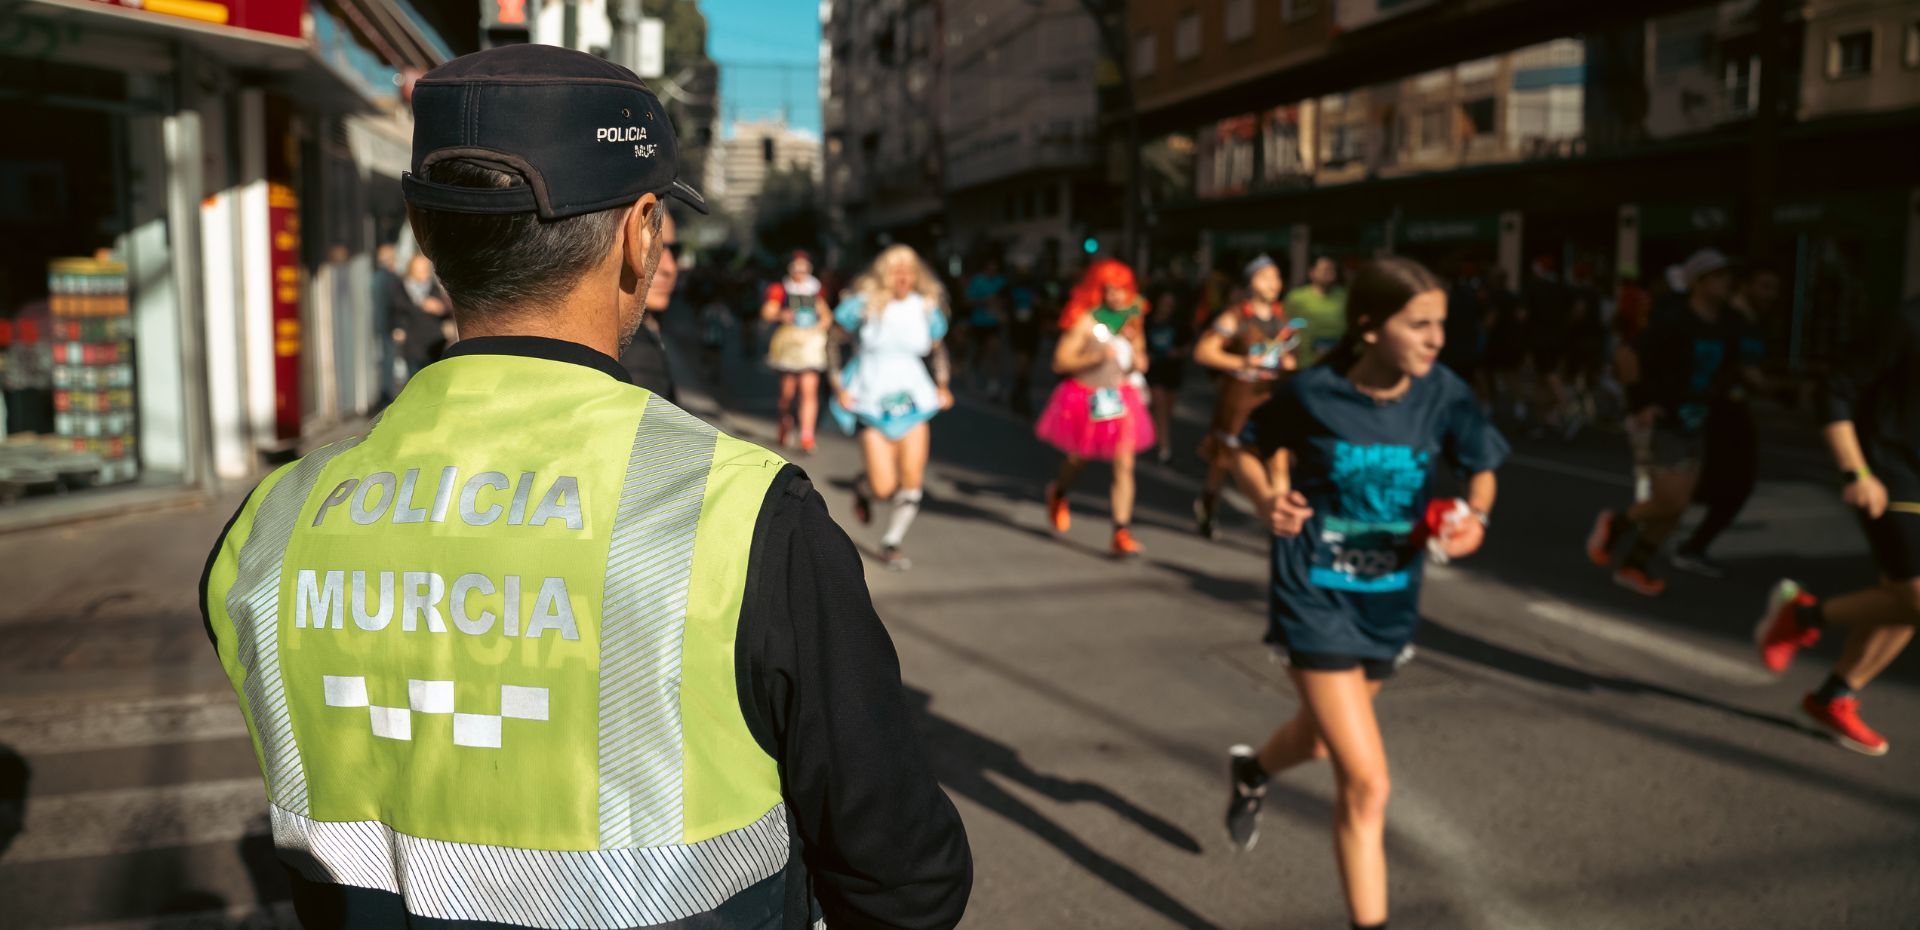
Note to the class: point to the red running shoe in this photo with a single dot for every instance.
(1124, 545)
(806, 445)
(1057, 512)
(1639, 582)
(1841, 717)
(1779, 634)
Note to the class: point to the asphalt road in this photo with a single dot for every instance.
(1564, 754)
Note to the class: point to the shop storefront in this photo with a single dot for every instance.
(162, 324)
(89, 306)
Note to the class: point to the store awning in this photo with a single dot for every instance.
(240, 47)
(323, 66)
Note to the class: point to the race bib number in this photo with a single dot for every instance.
(1107, 404)
(1364, 557)
(897, 406)
(806, 317)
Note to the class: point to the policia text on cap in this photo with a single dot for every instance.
(539, 649)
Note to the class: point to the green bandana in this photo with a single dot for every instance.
(1115, 320)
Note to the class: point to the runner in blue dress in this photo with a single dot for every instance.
(895, 382)
(1341, 461)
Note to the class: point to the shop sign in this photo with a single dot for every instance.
(275, 17)
(1273, 238)
(1666, 219)
(1457, 229)
(283, 221)
(1349, 15)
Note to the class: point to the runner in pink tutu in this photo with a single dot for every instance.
(1097, 413)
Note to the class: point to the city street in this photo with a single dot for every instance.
(1564, 754)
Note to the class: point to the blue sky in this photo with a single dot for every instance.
(745, 35)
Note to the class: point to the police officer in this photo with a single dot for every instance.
(540, 649)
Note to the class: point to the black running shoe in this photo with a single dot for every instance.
(1248, 787)
(894, 559)
(862, 506)
(1203, 517)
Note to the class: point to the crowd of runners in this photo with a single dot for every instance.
(1335, 406)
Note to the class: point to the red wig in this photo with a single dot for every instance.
(1091, 292)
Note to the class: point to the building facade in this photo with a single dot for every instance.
(1493, 133)
(884, 158)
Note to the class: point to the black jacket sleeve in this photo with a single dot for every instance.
(821, 686)
(1664, 365)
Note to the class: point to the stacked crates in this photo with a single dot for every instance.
(93, 378)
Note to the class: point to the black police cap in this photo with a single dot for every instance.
(584, 133)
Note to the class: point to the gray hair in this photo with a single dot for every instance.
(495, 264)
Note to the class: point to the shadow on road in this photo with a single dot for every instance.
(963, 759)
(14, 775)
(1441, 639)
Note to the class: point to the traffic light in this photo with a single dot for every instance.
(1091, 246)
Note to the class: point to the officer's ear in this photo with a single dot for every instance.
(638, 230)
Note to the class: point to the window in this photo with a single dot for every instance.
(1239, 20)
(1912, 53)
(1434, 126)
(1293, 11)
(1186, 37)
(1850, 55)
(1146, 48)
(1480, 114)
(1743, 85)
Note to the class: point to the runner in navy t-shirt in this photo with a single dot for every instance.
(1341, 460)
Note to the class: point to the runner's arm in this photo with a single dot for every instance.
(1211, 350)
(820, 686)
(1077, 351)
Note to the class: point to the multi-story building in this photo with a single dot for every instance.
(882, 120)
(1495, 132)
(1024, 167)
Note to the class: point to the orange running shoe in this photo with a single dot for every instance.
(1637, 580)
(1780, 634)
(1600, 541)
(806, 445)
(1057, 512)
(1124, 545)
(1841, 717)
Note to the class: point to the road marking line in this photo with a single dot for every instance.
(130, 820)
(1618, 631)
(1666, 648)
(78, 726)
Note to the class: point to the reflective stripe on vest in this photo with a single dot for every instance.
(486, 654)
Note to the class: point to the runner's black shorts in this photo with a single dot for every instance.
(1375, 669)
(1895, 539)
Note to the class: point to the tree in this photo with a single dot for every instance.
(788, 214)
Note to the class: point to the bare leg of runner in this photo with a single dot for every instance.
(1341, 704)
(809, 407)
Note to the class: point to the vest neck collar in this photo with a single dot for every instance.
(553, 350)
